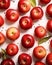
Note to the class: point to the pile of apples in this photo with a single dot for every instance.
(27, 41)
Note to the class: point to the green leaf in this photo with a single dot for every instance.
(33, 2)
(4, 54)
(44, 39)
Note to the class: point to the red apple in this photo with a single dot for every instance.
(4, 4)
(51, 44)
(24, 6)
(12, 49)
(27, 41)
(12, 15)
(25, 22)
(49, 26)
(12, 33)
(24, 59)
(2, 38)
(49, 59)
(1, 21)
(36, 13)
(44, 1)
(49, 10)
(39, 52)
(7, 62)
(40, 31)
(39, 63)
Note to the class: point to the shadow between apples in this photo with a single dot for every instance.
(21, 30)
(35, 59)
(22, 48)
(47, 16)
(2, 10)
(50, 49)
(21, 13)
(49, 33)
(8, 41)
(36, 37)
(8, 22)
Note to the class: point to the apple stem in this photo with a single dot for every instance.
(4, 56)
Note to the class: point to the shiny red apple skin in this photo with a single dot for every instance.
(7, 62)
(13, 33)
(39, 52)
(49, 10)
(24, 6)
(12, 49)
(12, 15)
(28, 41)
(4, 4)
(39, 63)
(43, 2)
(49, 26)
(40, 31)
(25, 22)
(2, 38)
(36, 13)
(1, 21)
(24, 59)
(49, 58)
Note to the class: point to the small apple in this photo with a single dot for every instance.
(4, 4)
(39, 52)
(36, 13)
(39, 63)
(24, 59)
(25, 22)
(7, 62)
(2, 38)
(12, 33)
(49, 59)
(24, 6)
(1, 21)
(27, 41)
(12, 15)
(12, 49)
(40, 31)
